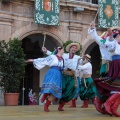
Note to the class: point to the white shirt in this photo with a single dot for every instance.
(113, 47)
(86, 68)
(103, 48)
(51, 60)
(69, 63)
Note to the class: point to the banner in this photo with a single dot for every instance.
(108, 13)
(47, 12)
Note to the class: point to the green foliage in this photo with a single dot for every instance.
(12, 65)
(70, 41)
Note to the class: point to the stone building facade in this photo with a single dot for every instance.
(17, 20)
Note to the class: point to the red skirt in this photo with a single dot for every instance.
(104, 87)
(114, 71)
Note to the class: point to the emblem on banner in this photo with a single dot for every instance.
(108, 11)
(47, 12)
(47, 5)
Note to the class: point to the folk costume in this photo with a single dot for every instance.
(70, 82)
(114, 75)
(87, 89)
(106, 57)
(52, 83)
(114, 49)
(68, 76)
(111, 86)
(52, 80)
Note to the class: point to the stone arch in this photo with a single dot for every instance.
(34, 28)
(85, 45)
(58, 41)
(90, 47)
(25, 33)
(93, 49)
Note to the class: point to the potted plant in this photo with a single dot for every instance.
(12, 69)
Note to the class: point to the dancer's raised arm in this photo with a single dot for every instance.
(93, 33)
(46, 51)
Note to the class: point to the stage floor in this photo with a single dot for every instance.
(36, 113)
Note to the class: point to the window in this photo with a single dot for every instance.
(91, 1)
(95, 1)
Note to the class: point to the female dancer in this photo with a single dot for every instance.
(52, 84)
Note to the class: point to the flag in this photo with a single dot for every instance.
(47, 12)
(108, 13)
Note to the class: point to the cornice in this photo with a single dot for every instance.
(85, 5)
(66, 4)
(21, 2)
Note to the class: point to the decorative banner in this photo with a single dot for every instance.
(108, 13)
(47, 12)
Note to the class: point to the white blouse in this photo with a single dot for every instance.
(114, 49)
(69, 63)
(51, 60)
(103, 48)
(113, 46)
(86, 68)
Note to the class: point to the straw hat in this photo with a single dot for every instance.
(72, 44)
(88, 57)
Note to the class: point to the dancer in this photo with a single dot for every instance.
(111, 86)
(106, 57)
(113, 102)
(52, 84)
(87, 90)
(68, 83)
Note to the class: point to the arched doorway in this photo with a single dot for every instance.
(94, 51)
(32, 46)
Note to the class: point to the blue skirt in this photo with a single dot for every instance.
(52, 82)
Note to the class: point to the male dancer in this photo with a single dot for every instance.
(87, 90)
